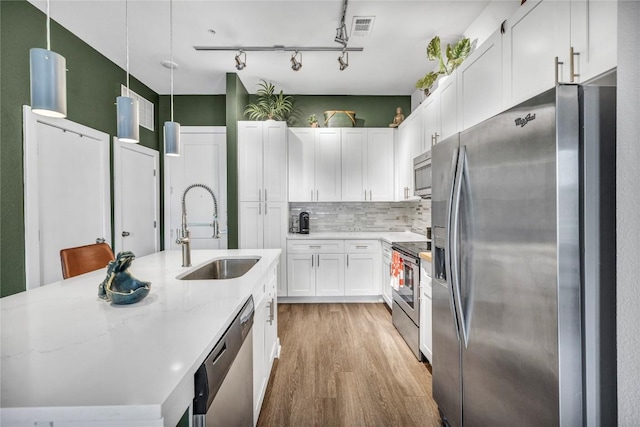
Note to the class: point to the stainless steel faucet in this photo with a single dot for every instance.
(183, 235)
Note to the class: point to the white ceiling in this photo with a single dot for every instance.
(393, 58)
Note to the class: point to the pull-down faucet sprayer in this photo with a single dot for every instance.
(183, 235)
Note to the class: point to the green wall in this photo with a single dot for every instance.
(237, 99)
(371, 111)
(194, 110)
(93, 83)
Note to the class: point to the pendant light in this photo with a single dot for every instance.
(171, 129)
(126, 106)
(48, 73)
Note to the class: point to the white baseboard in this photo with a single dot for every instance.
(335, 299)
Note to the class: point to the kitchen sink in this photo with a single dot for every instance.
(221, 269)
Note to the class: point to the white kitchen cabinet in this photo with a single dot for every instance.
(448, 94)
(538, 32)
(480, 83)
(301, 275)
(379, 164)
(262, 189)
(385, 274)
(362, 272)
(328, 169)
(367, 164)
(432, 131)
(329, 270)
(262, 168)
(315, 166)
(354, 147)
(265, 338)
(594, 26)
(404, 159)
(426, 329)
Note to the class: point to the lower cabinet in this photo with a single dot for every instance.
(265, 337)
(426, 329)
(333, 268)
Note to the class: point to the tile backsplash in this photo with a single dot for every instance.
(364, 216)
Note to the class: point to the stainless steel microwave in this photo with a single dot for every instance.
(422, 175)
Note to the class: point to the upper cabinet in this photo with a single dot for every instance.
(314, 165)
(262, 176)
(480, 83)
(594, 25)
(367, 164)
(548, 41)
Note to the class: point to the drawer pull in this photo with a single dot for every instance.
(362, 247)
(314, 246)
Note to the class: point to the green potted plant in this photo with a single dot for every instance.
(455, 54)
(313, 122)
(269, 105)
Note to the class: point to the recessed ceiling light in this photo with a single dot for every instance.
(169, 64)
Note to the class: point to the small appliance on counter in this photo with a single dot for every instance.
(303, 225)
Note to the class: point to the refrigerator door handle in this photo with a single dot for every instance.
(453, 243)
(447, 249)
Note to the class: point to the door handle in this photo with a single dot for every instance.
(265, 194)
(347, 260)
(126, 234)
(447, 249)
(557, 66)
(454, 248)
(572, 66)
(100, 240)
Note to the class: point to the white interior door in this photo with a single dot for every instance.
(203, 160)
(67, 192)
(136, 198)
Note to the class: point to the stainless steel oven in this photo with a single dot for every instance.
(422, 175)
(406, 299)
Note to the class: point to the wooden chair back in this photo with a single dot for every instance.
(83, 259)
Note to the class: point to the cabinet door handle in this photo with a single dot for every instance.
(312, 257)
(312, 195)
(259, 194)
(370, 198)
(347, 260)
(271, 311)
(361, 247)
(265, 194)
(317, 195)
(557, 65)
(259, 208)
(572, 67)
(314, 246)
(365, 195)
(265, 207)
(318, 260)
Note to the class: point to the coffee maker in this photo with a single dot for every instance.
(303, 224)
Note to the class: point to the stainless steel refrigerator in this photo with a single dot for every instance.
(523, 213)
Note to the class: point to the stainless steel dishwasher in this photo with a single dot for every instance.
(224, 382)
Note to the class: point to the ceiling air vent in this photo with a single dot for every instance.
(362, 25)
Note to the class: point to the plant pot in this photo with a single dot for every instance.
(314, 125)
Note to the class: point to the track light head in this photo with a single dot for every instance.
(295, 63)
(343, 60)
(341, 35)
(241, 63)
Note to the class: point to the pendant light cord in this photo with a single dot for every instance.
(48, 25)
(126, 25)
(171, 50)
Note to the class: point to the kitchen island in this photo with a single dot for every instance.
(72, 359)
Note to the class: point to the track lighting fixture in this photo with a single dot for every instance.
(343, 60)
(295, 63)
(48, 73)
(241, 63)
(341, 35)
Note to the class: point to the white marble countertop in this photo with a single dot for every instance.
(70, 358)
(388, 236)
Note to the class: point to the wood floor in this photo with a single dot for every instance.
(345, 365)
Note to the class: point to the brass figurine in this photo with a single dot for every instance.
(398, 118)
